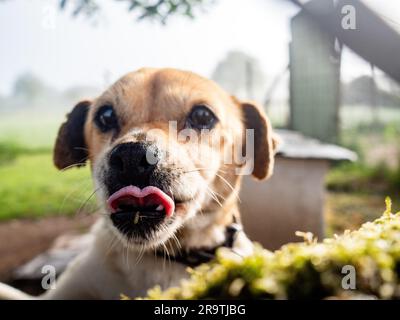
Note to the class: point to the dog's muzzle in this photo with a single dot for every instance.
(138, 201)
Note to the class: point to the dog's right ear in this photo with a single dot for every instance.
(70, 148)
(265, 141)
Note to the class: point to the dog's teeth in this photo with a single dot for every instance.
(137, 216)
(160, 208)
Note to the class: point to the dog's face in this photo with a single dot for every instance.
(163, 148)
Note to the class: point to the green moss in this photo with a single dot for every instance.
(308, 270)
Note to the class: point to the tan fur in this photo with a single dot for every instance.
(146, 100)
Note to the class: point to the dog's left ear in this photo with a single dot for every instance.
(70, 148)
(265, 141)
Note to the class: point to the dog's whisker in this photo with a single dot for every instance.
(197, 203)
(192, 196)
(212, 194)
(175, 238)
(127, 257)
(142, 251)
(113, 243)
(163, 245)
(86, 201)
(178, 244)
(172, 237)
(171, 246)
(229, 185)
(201, 169)
(77, 187)
(168, 255)
(215, 193)
(191, 192)
(77, 164)
(139, 255)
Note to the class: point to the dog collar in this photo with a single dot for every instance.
(193, 258)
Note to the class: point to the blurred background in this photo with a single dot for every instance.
(335, 83)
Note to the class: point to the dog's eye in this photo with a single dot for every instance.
(201, 117)
(106, 118)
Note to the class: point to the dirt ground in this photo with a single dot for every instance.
(21, 240)
(348, 211)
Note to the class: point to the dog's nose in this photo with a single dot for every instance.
(134, 158)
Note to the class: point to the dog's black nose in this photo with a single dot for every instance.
(134, 159)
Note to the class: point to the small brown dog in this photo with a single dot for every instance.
(169, 198)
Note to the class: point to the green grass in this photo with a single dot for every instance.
(378, 167)
(10, 150)
(30, 187)
(359, 177)
(353, 116)
(31, 129)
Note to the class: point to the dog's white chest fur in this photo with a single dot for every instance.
(134, 274)
(107, 272)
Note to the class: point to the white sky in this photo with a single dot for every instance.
(35, 36)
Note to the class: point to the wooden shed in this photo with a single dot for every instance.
(293, 198)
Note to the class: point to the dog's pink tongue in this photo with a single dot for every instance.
(147, 196)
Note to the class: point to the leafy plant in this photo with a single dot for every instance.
(159, 10)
